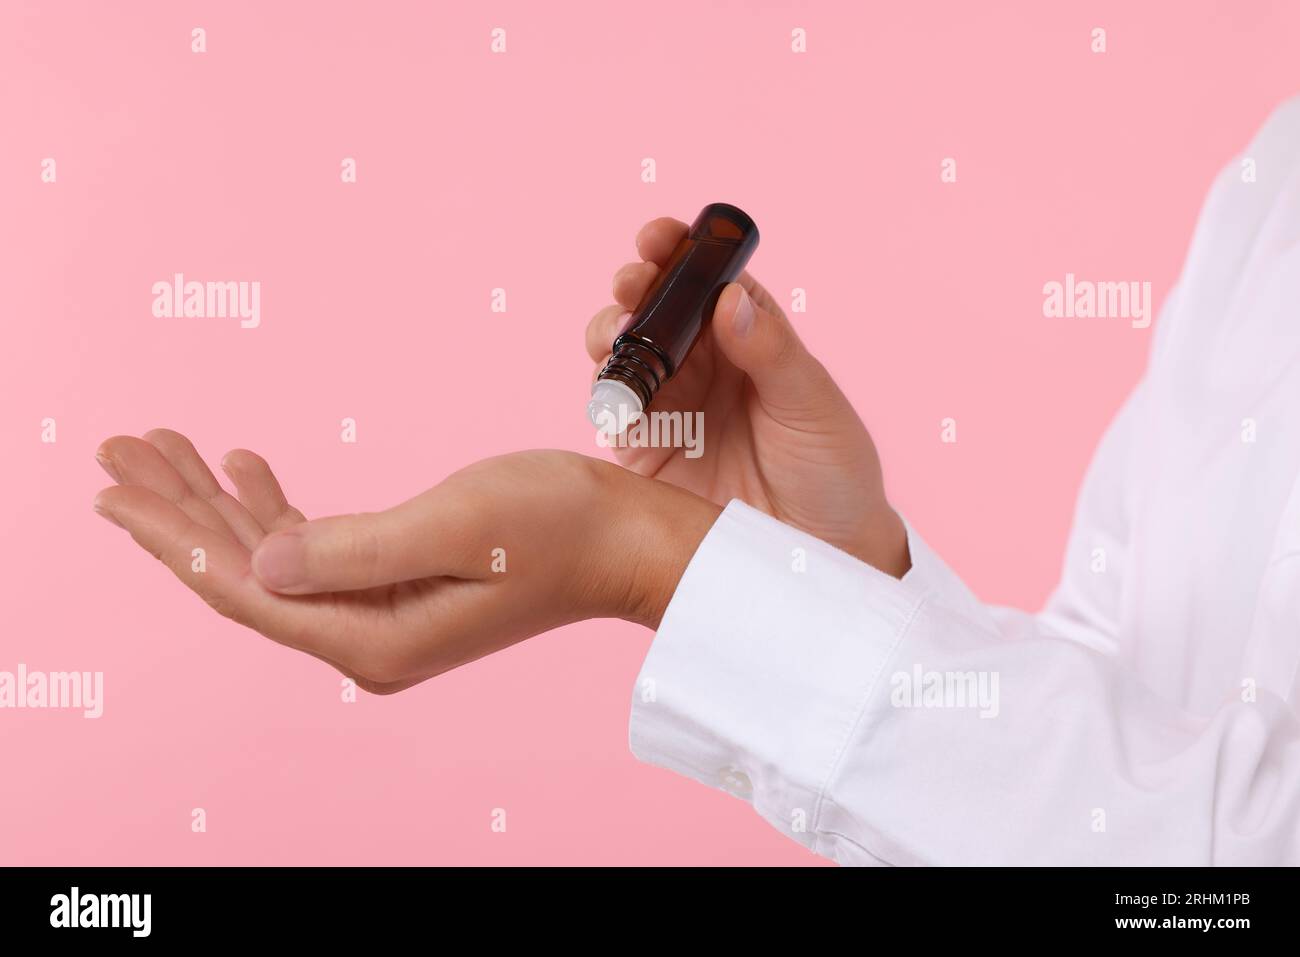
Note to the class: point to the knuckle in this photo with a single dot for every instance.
(787, 350)
(361, 547)
(286, 514)
(818, 375)
(224, 607)
(633, 274)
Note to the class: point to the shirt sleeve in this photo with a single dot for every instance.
(878, 720)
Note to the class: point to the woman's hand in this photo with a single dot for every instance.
(500, 551)
(783, 437)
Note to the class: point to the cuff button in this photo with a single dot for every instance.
(736, 782)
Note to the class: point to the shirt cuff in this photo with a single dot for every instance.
(764, 661)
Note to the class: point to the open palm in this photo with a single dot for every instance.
(493, 554)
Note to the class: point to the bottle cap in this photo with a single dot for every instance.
(613, 406)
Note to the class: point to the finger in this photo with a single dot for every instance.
(346, 552)
(603, 329)
(631, 282)
(259, 490)
(762, 298)
(222, 577)
(792, 385)
(435, 534)
(132, 461)
(657, 239)
(185, 459)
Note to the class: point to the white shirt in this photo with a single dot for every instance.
(1148, 715)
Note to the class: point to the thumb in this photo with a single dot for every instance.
(792, 385)
(346, 552)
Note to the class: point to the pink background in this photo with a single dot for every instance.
(522, 171)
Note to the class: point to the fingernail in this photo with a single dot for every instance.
(743, 320)
(107, 465)
(105, 513)
(281, 561)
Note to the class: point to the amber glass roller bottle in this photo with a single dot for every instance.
(671, 316)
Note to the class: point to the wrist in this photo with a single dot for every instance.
(651, 532)
(884, 544)
(672, 530)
